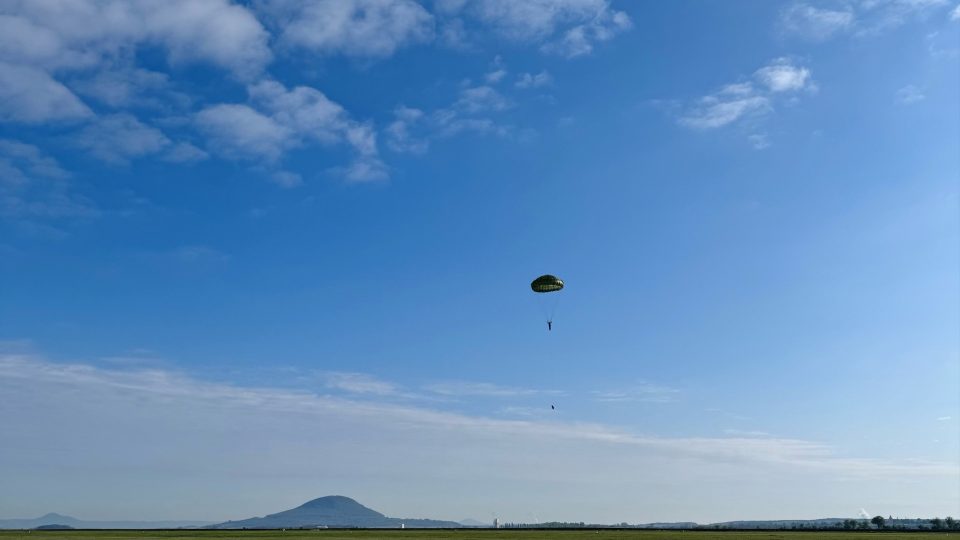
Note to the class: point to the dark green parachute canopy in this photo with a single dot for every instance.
(546, 283)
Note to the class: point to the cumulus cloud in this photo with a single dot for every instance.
(119, 138)
(955, 13)
(86, 33)
(239, 131)
(750, 100)
(280, 119)
(31, 95)
(363, 28)
(783, 76)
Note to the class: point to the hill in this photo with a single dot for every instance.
(331, 511)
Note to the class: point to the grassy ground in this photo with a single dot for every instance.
(472, 534)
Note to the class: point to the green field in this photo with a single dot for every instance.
(474, 534)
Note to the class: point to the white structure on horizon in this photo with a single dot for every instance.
(496, 523)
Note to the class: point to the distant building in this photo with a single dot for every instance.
(496, 523)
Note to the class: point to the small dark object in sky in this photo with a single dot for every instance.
(552, 408)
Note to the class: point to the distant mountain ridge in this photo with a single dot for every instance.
(331, 511)
(58, 519)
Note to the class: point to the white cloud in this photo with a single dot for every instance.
(579, 23)
(359, 383)
(363, 28)
(482, 99)
(815, 23)
(943, 418)
(120, 137)
(718, 111)
(955, 13)
(278, 120)
(579, 40)
(641, 392)
(413, 129)
(910, 94)
(741, 101)
(465, 389)
(529, 80)
(782, 76)
(399, 137)
(854, 17)
(85, 33)
(495, 76)
(31, 95)
(239, 131)
(184, 152)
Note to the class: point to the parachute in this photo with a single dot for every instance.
(547, 284)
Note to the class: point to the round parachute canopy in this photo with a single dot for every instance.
(546, 283)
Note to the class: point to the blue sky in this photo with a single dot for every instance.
(253, 253)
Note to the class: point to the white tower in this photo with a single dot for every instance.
(496, 523)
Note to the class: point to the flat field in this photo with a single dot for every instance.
(473, 534)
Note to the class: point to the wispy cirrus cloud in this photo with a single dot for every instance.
(642, 392)
(749, 101)
(134, 422)
(467, 389)
(819, 21)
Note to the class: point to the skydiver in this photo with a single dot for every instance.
(552, 408)
(549, 325)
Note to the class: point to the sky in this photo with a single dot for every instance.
(258, 252)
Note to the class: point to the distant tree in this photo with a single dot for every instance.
(849, 524)
(951, 523)
(863, 524)
(878, 521)
(936, 524)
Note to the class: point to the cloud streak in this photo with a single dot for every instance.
(169, 429)
(748, 102)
